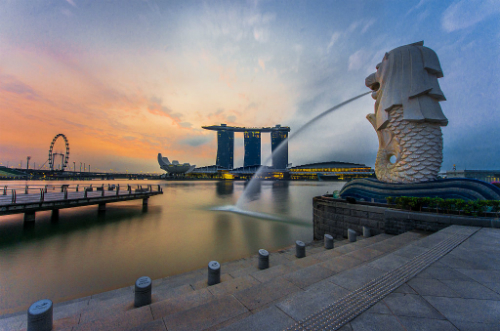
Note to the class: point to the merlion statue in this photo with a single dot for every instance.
(408, 121)
(408, 117)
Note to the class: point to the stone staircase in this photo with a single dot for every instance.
(247, 298)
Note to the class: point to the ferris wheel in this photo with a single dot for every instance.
(64, 156)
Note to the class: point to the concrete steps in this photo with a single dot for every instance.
(245, 294)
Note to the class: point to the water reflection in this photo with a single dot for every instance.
(224, 187)
(281, 197)
(87, 252)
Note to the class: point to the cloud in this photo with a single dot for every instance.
(262, 64)
(368, 25)
(357, 60)
(196, 141)
(335, 37)
(155, 107)
(466, 13)
(11, 84)
(71, 2)
(261, 34)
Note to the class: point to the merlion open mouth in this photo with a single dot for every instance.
(372, 83)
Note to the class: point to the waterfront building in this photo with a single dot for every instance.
(280, 157)
(252, 142)
(174, 168)
(489, 176)
(333, 170)
(225, 148)
(252, 148)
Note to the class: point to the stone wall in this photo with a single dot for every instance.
(335, 216)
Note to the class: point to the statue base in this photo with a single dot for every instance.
(373, 190)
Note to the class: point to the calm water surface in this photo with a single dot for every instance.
(85, 252)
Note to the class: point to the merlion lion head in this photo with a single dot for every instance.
(408, 116)
(407, 77)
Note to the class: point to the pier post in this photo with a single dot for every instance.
(328, 241)
(300, 249)
(145, 201)
(118, 190)
(263, 259)
(213, 273)
(143, 286)
(66, 194)
(40, 316)
(102, 207)
(29, 216)
(13, 196)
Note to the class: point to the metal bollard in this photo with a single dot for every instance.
(366, 232)
(143, 286)
(263, 259)
(213, 273)
(328, 241)
(300, 249)
(40, 315)
(351, 234)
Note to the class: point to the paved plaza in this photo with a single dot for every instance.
(459, 290)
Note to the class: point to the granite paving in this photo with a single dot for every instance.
(460, 291)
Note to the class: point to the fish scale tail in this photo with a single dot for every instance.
(420, 151)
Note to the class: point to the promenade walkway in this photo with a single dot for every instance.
(30, 203)
(448, 280)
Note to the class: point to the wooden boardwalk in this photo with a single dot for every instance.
(30, 203)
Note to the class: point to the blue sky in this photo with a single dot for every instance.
(125, 80)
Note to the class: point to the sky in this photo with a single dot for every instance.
(125, 80)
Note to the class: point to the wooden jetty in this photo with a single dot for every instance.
(17, 201)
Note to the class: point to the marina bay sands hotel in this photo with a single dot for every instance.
(252, 140)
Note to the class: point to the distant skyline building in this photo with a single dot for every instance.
(252, 143)
(252, 148)
(280, 157)
(225, 148)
